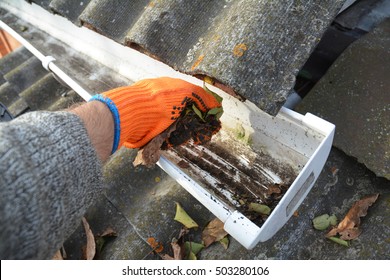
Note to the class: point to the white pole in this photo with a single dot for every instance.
(48, 63)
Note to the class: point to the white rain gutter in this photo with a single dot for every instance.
(48, 63)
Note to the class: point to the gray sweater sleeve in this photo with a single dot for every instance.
(49, 175)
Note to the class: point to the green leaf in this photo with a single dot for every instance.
(193, 247)
(215, 111)
(339, 241)
(198, 112)
(225, 242)
(192, 257)
(333, 220)
(216, 96)
(183, 218)
(259, 208)
(324, 221)
(219, 115)
(321, 222)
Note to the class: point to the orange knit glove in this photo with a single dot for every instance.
(145, 109)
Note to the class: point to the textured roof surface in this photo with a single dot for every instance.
(139, 203)
(354, 95)
(255, 48)
(25, 85)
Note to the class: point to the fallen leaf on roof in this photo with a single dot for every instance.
(339, 241)
(89, 249)
(109, 232)
(183, 218)
(225, 242)
(191, 257)
(213, 232)
(58, 256)
(348, 228)
(156, 246)
(192, 249)
(102, 239)
(178, 247)
(178, 251)
(323, 222)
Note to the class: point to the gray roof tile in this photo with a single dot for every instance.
(8, 94)
(255, 48)
(43, 3)
(18, 107)
(70, 9)
(354, 95)
(111, 20)
(13, 59)
(19, 77)
(43, 92)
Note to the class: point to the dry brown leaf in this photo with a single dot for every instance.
(108, 233)
(213, 232)
(58, 256)
(167, 257)
(178, 251)
(90, 249)
(102, 239)
(156, 246)
(348, 228)
(149, 154)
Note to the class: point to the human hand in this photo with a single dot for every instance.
(145, 109)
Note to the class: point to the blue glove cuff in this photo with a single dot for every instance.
(115, 113)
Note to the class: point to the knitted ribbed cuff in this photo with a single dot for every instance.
(114, 110)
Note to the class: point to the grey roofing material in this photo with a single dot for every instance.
(20, 80)
(25, 85)
(354, 95)
(13, 59)
(255, 48)
(71, 9)
(28, 86)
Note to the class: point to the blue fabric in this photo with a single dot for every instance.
(115, 113)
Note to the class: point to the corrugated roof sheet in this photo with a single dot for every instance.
(255, 48)
(152, 191)
(25, 85)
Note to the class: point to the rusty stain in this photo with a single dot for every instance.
(216, 38)
(156, 246)
(197, 62)
(239, 50)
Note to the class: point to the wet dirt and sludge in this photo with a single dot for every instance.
(236, 174)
